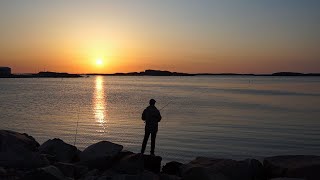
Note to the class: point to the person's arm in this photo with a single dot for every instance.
(159, 116)
(143, 117)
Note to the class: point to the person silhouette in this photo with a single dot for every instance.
(151, 116)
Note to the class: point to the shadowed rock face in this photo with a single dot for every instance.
(100, 155)
(19, 151)
(61, 151)
(10, 140)
(130, 164)
(100, 149)
(172, 168)
(46, 173)
(295, 166)
(210, 167)
(20, 158)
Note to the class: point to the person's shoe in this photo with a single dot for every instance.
(152, 154)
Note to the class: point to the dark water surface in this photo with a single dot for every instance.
(232, 117)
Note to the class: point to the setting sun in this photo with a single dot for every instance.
(99, 62)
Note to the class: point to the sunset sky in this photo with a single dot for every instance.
(214, 36)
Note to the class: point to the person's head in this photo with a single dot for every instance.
(152, 102)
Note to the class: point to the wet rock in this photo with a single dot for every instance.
(130, 164)
(230, 169)
(172, 168)
(62, 151)
(46, 173)
(294, 166)
(19, 151)
(152, 163)
(100, 155)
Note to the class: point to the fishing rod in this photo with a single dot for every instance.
(165, 106)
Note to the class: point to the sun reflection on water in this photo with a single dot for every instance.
(100, 104)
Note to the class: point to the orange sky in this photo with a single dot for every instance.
(201, 36)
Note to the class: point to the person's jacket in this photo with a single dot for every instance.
(151, 115)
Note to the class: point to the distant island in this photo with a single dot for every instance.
(5, 72)
(41, 75)
(168, 73)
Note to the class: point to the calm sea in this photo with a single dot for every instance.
(230, 117)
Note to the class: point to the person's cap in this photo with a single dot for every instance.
(152, 101)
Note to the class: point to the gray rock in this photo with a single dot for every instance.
(62, 151)
(230, 169)
(294, 166)
(172, 168)
(46, 173)
(100, 155)
(19, 151)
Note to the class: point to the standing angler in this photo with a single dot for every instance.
(151, 116)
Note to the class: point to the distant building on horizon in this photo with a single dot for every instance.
(5, 71)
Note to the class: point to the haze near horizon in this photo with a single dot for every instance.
(246, 36)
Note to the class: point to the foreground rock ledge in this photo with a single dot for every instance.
(22, 157)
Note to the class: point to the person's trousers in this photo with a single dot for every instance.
(145, 140)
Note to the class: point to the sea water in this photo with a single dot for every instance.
(214, 116)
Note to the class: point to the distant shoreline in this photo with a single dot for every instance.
(168, 73)
(152, 73)
(42, 75)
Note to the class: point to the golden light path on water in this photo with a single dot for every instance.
(100, 104)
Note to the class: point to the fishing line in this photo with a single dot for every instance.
(75, 137)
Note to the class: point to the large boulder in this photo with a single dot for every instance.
(224, 168)
(61, 151)
(152, 163)
(47, 173)
(172, 168)
(100, 155)
(294, 166)
(19, 150)
(130, 164)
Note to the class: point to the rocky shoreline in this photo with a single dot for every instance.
(22, 157)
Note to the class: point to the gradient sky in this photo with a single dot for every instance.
(241, 36)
